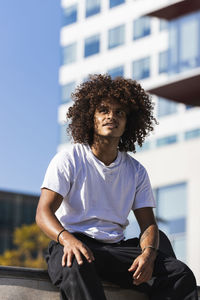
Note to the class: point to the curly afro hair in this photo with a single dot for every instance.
(127, 92)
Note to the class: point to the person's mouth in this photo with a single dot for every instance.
(111, 125)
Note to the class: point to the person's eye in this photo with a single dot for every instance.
(103, 110)
(121, 113)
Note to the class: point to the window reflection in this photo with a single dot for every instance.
(92, 7)
(184, 50)
(116, 36)
(118, 71)
(70, 15)
(171, 213)
(67, 89)
(141, 68)
(141, 27)
(69, 54)
(92, 45)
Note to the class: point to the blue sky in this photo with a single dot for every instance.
(29, 91)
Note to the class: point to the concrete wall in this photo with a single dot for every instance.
(32, 284)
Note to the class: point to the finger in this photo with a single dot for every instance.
(64, 258)
(138, 272)
(133, 267)
(143, 277)
(69, 259)
(78, 257)
(87, 253)
(90, 254)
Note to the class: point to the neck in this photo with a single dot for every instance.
(105, 149)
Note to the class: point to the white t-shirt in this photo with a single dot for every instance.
(97, 198)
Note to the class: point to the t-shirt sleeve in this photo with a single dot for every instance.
(144, 195)
(57, 177)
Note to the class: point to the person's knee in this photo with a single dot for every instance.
(185, 273)
(165, 244)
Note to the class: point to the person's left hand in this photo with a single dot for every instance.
(142, 267)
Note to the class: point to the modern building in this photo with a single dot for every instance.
(16, 209)
(158, 44)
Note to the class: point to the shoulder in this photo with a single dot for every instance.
(133, 163)
(70, 156)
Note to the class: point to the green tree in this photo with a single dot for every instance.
(30, 244)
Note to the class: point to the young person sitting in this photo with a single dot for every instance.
(89, 191)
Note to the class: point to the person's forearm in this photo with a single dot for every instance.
(49, 224)
(149, 239)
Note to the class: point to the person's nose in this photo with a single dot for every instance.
(111, 114)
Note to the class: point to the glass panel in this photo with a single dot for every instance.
(69, 54)
(116, 2)
(171, 213)
(192, 134)
(166, 141)
(163, 61)
(92, 7)
(177, 225)
(64, 137)
(173, 48)
(187, 107)
(166, 107)
(179, 245)
(70, 15)
(92, 45)
(132, 230)
(141, 68)
(116, 36)
(171, 201)
(145, 146)
(118, 71)
(163, 24)
(189, 44)
(141, 27)
(67, 89)
(184, 43)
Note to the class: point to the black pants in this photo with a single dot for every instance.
(172, 279)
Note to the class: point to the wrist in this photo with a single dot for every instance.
(150, 251)
(149, 247)
(59, 235)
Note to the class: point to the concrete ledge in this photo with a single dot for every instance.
(32, 284)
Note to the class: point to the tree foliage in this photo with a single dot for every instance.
(30, 243)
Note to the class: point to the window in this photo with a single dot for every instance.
(64, 137)
(118, 71)
(192, 134)
(92, 45)
(163, 62)
(70, 15)
(187, 107)
(67, 89)
(184, 45)
(171, 213)
(116, 36)
(166, 107)
(145, 146)
(141, 27)
(141, 68)
(163, 24)
(166, 140)
(114, 3)
(92, 7)
(69, 54)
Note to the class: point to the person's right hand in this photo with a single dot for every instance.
(74, 247)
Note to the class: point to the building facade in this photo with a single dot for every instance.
(131, 38)
(16, 209)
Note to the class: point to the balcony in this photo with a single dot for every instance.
(175, 9)
(183, 87)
